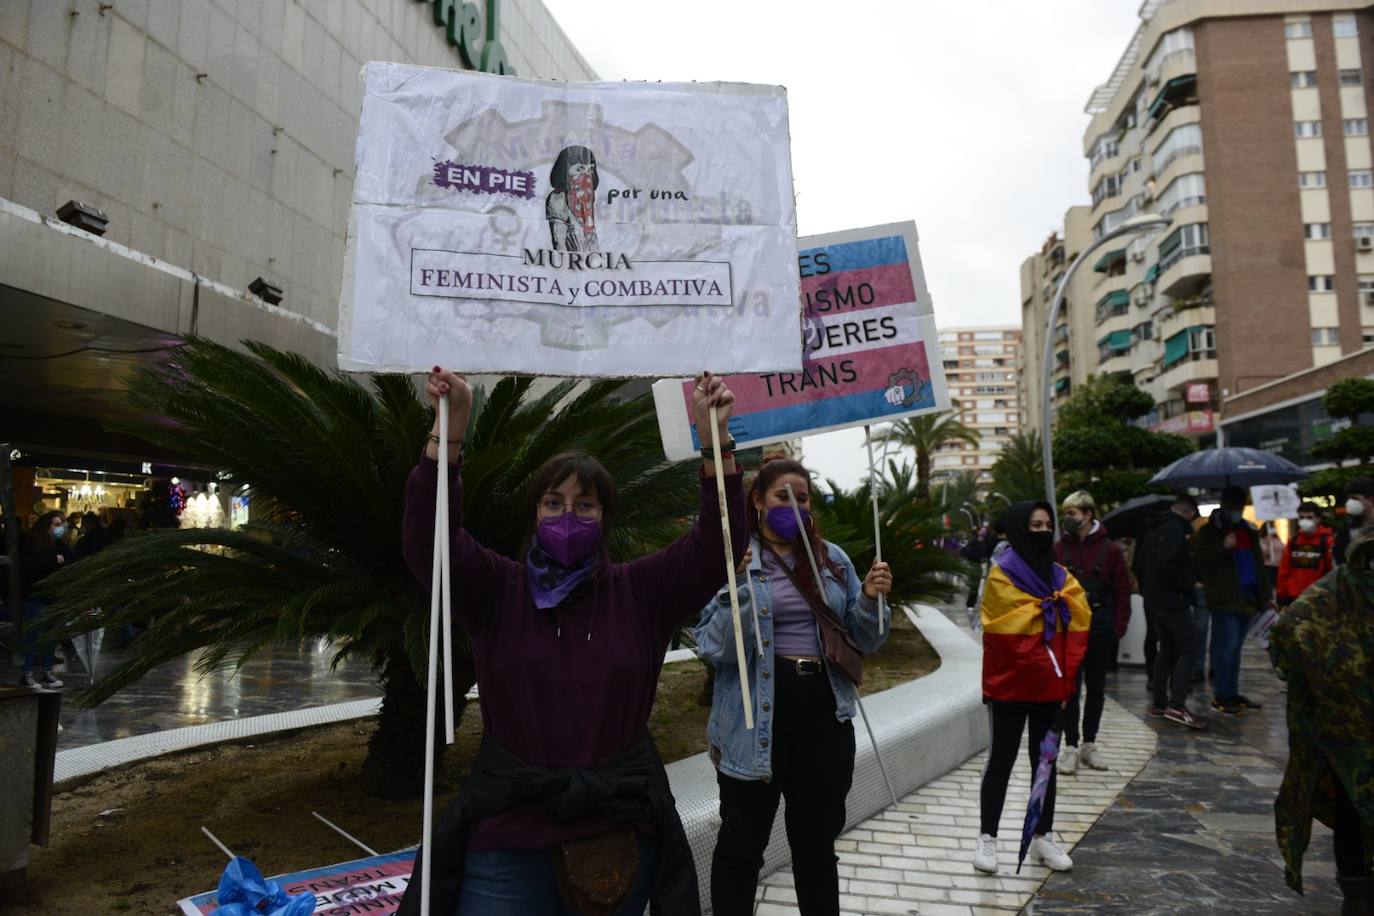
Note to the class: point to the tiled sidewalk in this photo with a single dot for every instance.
(918, 858)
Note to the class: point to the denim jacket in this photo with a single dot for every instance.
(735, 750)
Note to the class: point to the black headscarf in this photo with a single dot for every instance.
(1039, 555)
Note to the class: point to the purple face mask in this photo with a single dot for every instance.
(783, 521)
(569, 538)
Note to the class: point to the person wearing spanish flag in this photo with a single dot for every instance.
(1036, 621)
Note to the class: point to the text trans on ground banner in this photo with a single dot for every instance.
(870, 350)
(570, 229)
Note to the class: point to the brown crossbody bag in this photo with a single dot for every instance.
(596, 874)
(836, 644)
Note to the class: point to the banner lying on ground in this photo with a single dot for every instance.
(373, 885)
(870, 348)
(579, 229)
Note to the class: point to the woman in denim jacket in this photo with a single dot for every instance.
(802, 744)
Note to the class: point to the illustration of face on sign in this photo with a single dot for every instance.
(571, 205)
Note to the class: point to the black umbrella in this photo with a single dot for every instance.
(1134, 517)
(1215, 468)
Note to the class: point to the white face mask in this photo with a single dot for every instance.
(1354, 506)
(1308, 525)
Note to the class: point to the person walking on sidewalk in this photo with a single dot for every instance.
(1035, 632)
(43, 552)
(1226, 553)
(1308, 556)
(1100, 567)
(802, 745)
(1167, 588)
(567, 787)
(1323, 646)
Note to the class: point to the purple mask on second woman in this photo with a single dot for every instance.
(783, 521)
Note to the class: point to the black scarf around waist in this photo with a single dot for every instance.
(629, 789)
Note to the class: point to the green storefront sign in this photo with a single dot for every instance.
(464, 26)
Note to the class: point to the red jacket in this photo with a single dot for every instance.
(1094, 552)
(1307, 558)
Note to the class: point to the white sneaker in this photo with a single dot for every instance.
(1090, 755)
(985, 854)
(1068, 760)
(1049, 853)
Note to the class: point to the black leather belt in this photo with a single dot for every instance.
(805, 666)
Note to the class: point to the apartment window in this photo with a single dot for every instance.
(1361, 178)
(1108, 187)
(1368, 336)
(1321, 283)
(1356, 127)
(1311, 179)
(1179, 41)
(1362, 230)
(1316, 231)
(1302, 79)
(1183, 242)
(1307, 128)
(1184, 191)
(1326, 337)
(1351, 77)
(1183, 140)
(1297, 30)
(1366, 283)
(1104, 148)
(1144, 331)
(1343, 26)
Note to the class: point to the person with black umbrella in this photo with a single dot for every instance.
(1035, 631)
(1226, 554)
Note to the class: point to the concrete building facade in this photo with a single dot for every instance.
(980, 373)
(1245, 123)
(218, 138)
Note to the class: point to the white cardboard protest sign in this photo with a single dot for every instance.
(572, 229)
(1275, 501)
(871, 352)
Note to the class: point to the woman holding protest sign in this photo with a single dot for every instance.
(810, 643)
(568, 807)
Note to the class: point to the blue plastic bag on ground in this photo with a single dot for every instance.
(243, 891)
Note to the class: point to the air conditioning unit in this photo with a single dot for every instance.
(1151, 80)
(1142, 297)
(1137, 256)
(1364, 243)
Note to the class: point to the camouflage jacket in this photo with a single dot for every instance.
(1323, 646)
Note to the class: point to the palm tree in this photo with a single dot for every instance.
(911, 530)
(925, 434)
(1019, 472)
(327, 460)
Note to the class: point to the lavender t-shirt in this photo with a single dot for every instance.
(794, 623)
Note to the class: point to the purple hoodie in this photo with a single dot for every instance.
(573, 685)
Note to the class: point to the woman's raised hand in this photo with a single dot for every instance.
(441, 382)
(711, 391)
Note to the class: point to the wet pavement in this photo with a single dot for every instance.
(1194, 831)
(175, 694)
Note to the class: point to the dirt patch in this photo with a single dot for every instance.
(130, 841)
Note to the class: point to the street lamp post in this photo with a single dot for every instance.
(1140, 223)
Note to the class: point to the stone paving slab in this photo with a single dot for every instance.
(917, 858)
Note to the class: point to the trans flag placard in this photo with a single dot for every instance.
(869, 348)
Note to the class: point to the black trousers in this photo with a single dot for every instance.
(1151, 645)
(1352, 859)
(1006, 722)
(1092, 673)
(1174, 666)
(813, 767)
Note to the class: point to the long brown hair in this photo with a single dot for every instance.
(773, 467)
(40, 534)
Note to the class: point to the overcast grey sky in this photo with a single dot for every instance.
(966, 117)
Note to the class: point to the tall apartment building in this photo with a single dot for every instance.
(1074, 356)
(1247, 125)
(980, 373)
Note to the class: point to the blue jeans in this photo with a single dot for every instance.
(32, 608)
(1228, 638)
(518, 882)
